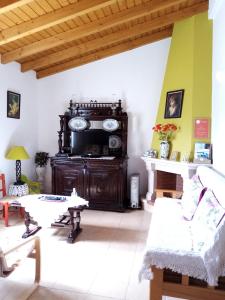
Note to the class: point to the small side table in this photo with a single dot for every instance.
(18, 190)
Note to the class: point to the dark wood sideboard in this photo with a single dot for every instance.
(93, 159)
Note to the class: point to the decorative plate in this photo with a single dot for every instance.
(78, 123)
(110, 124)
(114, 141)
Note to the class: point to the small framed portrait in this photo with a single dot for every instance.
(13, 105)
(174, 103)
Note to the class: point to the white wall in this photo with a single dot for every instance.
(218, 96)
(135, 76)
(21, 131)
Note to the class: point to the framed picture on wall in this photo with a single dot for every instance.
(203, 153)
(174, 103)
(202, 128)
(13, 105)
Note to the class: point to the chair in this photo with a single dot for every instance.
(33, 253)
(3, 194)
(2, 186)
(12, 287)
(5, 201)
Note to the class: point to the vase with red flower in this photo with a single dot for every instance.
(166, 133)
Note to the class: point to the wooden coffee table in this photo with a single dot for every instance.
(36, 205)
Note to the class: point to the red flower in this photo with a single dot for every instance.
(165, 131)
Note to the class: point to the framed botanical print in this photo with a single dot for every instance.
(13, 105)
(174, 102)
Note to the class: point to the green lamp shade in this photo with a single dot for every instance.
(17, 153)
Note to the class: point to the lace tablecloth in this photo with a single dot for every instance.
(44, 212)
(171, 244)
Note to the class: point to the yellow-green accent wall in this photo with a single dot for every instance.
(189, 67)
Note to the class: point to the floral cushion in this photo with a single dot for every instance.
(206, 220)
(209, 212)
(191, 197)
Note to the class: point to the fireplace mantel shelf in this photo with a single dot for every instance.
(185, 169)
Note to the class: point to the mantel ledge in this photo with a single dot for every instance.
(185, 169)
(170, 165)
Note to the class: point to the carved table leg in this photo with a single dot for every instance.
(75, 228)
(27, 222)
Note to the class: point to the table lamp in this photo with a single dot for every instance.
(18, 153)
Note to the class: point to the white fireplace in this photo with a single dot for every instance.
(185, 169)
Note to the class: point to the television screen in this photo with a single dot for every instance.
(92, 142)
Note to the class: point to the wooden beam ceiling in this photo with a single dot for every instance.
(50, 19)
(81, 31)
(7, 5)
(107, 40)
(50, 36)
(128, 45)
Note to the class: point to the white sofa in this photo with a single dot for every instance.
(186, 258)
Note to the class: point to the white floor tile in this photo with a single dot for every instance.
(102, 264)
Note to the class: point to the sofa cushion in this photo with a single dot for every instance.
(213, 180)
(207, 218)
(191, 197)
(209, 212)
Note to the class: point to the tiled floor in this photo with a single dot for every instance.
(102, 264)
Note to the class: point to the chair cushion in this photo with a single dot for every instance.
(191, 197)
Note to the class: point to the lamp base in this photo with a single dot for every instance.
(18, 190)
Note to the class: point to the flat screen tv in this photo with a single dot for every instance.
(92, 142)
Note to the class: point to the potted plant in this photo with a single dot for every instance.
(41, 160)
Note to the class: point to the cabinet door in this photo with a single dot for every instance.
(66, 178)
(104, 188)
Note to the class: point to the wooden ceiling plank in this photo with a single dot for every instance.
(99, 13)
(70, 23)
(45, 5)
(14, 17)
(29, 11)
(55, 4)
(7, 5)
(22, 15)
(122, 5)
(85, 19)
(37, 8)
(86, 47)
(107, 11)
(95, 27)
(129, 45)
(63, 2)
(7, 21)
(130, 3)
(2, 25)
(92, 16)
(50, 19)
